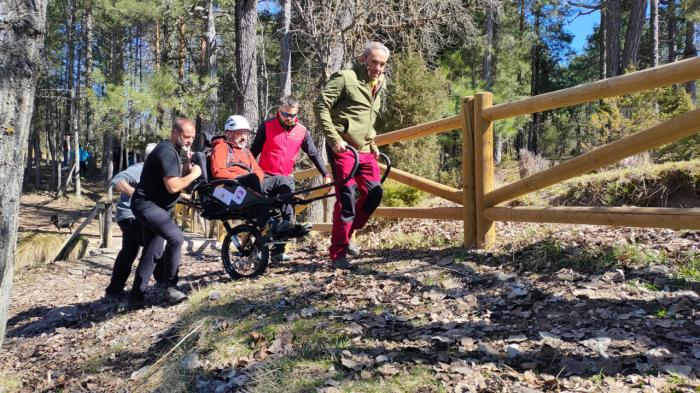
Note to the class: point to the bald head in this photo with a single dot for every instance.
(182, 134)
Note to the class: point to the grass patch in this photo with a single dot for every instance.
(415, 240)
(674, 184)
(34, 249)
(417, 379)
(9, 384)
(689, 269)
(318, 334)
(294, 374)
(550, 255)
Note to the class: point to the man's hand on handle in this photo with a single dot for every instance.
(340, 147)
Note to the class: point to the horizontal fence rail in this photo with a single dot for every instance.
(678, 72)
(435, 213)
(685, 125)
(647, 217)
(427, 185)
(421, 130)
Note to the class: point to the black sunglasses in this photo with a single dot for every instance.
(290, 115)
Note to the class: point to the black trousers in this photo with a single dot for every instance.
(132, 240)
(158, 227)
(277, 184)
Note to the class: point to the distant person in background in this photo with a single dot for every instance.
(163, 177)
(276, 145)
(132, 232)
(346, 110)
(84, 157)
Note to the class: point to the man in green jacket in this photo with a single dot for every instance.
(346, 111)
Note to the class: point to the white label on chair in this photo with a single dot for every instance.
(239, 195)
(223, 195)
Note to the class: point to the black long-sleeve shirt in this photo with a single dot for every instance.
(308, 146)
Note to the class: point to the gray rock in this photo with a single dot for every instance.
(139, 373)
(190, 361)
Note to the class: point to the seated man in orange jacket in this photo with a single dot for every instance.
(226, 156)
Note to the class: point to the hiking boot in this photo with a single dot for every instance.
(113, 294)
(281, 257)
(174, 295)
(283, 227)
(352, 250)
(136, 302)
(341, 263)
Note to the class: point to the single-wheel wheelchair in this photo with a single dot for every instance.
(245, 251)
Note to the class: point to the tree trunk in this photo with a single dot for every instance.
(208, 128)
(612, 38)
(488, 46)
(264, 85)
(671, 25)
(690, 51)
(246, 87)
(37, 159)
(654, 22)
(22, 36)
(181, 49)
(156, 47)
(602, 39)
(89, 37)
(633, 34)
(286, 50)
(535, 72)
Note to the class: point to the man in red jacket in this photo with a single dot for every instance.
(276, 145)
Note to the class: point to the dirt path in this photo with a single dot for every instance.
(556, 308)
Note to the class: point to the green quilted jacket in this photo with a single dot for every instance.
(346, 111)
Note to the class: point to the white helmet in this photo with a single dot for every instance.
(237, 122)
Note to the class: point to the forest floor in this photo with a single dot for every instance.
(552, 308)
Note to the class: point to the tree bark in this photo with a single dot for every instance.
(671, 25)
(612, 38)
(488, 45)
(633, 34)
(654, 22)
(89, 37)
(21, 41)
(181, 47)
(209, 122)
(246, 88)
(690, 51)
(286, 50)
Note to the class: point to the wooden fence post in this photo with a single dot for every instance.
(468, 189)
(483, 169)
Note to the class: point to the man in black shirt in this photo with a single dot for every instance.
(163, 178)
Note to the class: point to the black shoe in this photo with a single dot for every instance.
(174, 295)
(113, 294)
(352, 250)
(341, 263)
(136, 302)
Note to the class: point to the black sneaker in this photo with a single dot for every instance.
(136, 302)
(174, 295)
(112, 294)
(341, 263)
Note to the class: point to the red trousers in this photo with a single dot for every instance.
(355, 200)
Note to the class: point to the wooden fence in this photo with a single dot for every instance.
(478, 198)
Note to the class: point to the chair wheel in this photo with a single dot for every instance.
(244, 253)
